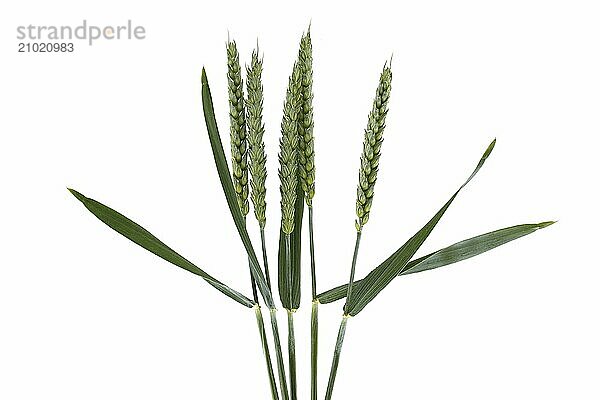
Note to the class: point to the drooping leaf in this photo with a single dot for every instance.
(452, 254)
(148, 241)
(227, 185)
(381, 276)
(290, 297)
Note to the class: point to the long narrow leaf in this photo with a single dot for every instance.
(148, 241)
(381, 276)
(227, 184)
(296, 250)
(452, 254)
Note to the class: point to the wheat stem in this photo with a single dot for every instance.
(292, 355)
(288, 262)
(288, 174)
(313, 272)
(314, 347)
(266, 352)
(291, 336)
(257, 156)
(264, 254)
(253, 283)
(369, 165)
(352, 269)
(306, 163)
(279, 355)
(239, 167)
(336, 357)
(314, 326)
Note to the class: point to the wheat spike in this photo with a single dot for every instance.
(237, 129)
(369, 160)
(288, 155)
(306, 154)
(256, 130)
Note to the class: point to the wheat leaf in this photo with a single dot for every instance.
(454, 253)
(381, 276)
(292, 293)
(148, 241)
(230, 195)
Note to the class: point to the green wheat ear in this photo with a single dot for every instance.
(256, 130)
(237, 129)
(306, 154)
(288, 150)
(369, 160)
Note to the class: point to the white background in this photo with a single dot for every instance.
(85, 314)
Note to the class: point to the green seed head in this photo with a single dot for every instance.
(306, 154)
(237, 129)
(369, 160)
(256, 129)
(288, 150)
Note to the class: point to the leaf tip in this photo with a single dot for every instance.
(204, 79)
(77, 195)
(546, 224)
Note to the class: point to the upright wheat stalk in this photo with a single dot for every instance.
(258, 158)
(239, 168)
(369, 165)
(306, 158)
(369, 162)
(288, 175)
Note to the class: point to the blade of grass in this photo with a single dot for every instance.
(454, 253)
(471, 247)
(381, 276)
(140, 236)
(228, 189)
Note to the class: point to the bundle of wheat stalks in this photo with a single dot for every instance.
(246, 179)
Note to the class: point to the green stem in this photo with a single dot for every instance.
(264, 253)
(314, 326)
(279, 355)
(313, 272)
(291, 336)
(253, 282)
(288, 266)
(352, 270)
(336, 357)
(342, 331)
(292, 355)
(266, 352)
(314, 347)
